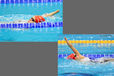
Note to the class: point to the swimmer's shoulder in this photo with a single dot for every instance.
(85, 59)
(82, 57)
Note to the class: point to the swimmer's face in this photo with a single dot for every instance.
(32, 20)
(76, 57)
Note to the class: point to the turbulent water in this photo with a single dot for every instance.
(75, 68)
(21, 18)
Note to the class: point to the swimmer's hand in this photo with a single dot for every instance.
(57, 11)
(67, 41)
(65, 38)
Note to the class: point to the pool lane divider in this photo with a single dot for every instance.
(33, 25)
(89, 55)
(28, 1)
(86, 41)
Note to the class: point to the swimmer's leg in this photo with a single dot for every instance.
(50, 14)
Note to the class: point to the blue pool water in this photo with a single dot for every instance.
(21, 13)
(87, 37)
(32, 35)
(95, 50)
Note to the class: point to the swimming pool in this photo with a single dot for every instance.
(21, 12)
(40, 34)
(18, 12)
(87, 46)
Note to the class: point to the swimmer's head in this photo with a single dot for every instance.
(72, 56)
(36, 19)
(32, 20)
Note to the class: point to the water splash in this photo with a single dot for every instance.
(15, 18)
(75, 66)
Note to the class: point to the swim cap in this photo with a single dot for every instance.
(71, 56)
(39, 19)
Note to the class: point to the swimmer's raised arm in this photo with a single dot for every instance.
(50, 14)
(71, 46)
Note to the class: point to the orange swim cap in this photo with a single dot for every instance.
(71, 56)
(39, 19)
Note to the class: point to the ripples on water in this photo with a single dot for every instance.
(75, 68)
(21, 18)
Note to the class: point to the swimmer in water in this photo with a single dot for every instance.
(79, 57)
(38, 19)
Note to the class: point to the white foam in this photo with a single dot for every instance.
(86, 59)
(22, 18)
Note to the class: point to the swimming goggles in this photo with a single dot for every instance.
(32, 19)
(74, 55)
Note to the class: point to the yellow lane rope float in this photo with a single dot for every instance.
(86, 41)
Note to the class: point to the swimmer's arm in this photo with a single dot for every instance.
(50, 14)
(71, 46)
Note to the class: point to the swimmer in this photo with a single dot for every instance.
(77, 56)
(37, 18)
